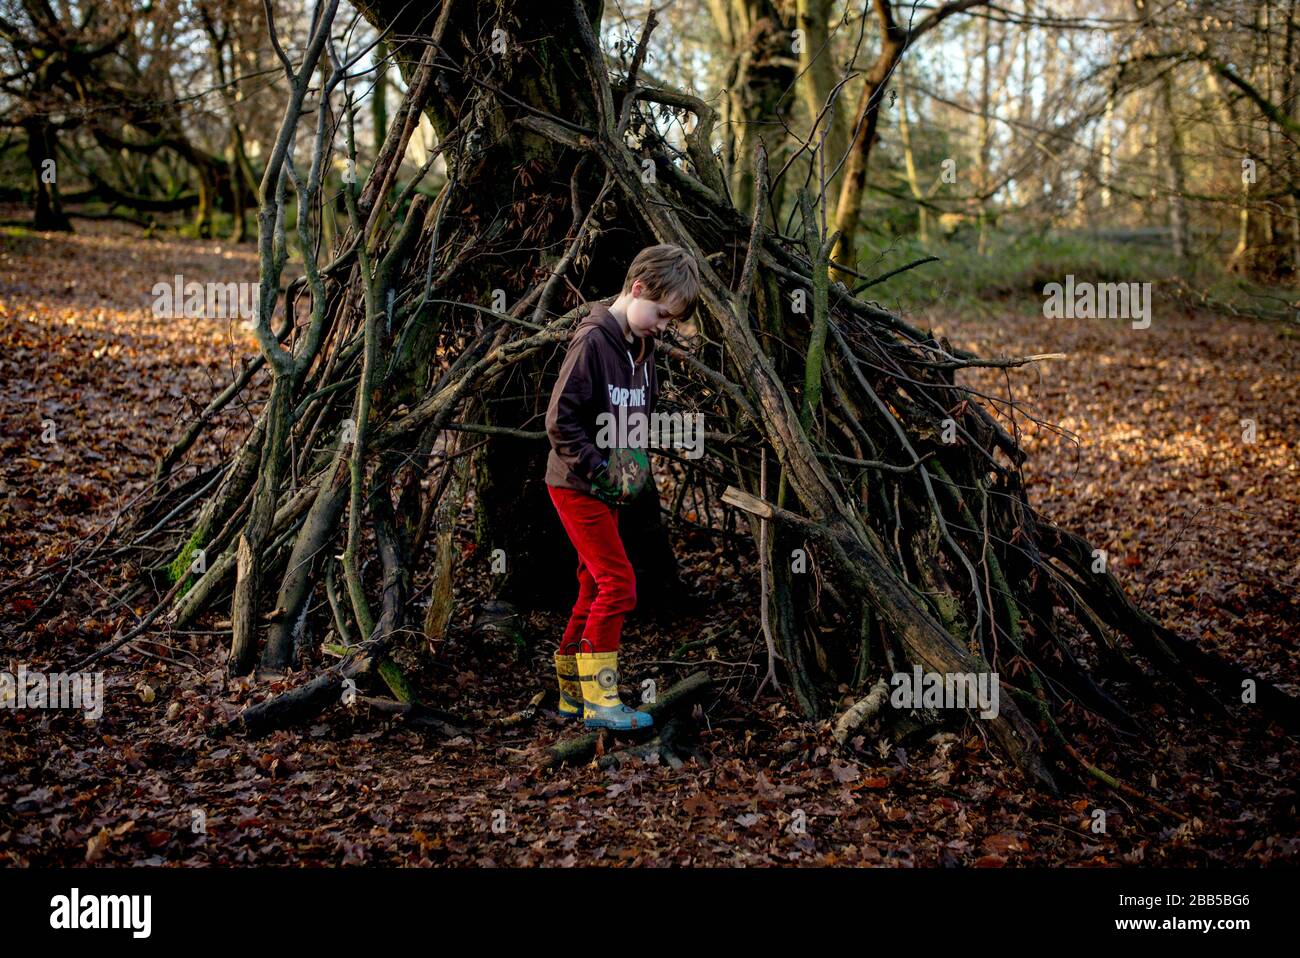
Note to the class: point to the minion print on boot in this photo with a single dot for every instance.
(601, 706)
(566, 671)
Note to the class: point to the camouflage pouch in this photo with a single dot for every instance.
(623, 478)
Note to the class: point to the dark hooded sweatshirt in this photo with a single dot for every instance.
(601, 372)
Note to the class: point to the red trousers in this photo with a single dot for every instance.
(606, 582)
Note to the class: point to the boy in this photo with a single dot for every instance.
(602, 386)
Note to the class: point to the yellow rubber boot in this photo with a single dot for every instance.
(601, 706)
(566, 671)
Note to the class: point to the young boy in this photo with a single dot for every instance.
(589, 475)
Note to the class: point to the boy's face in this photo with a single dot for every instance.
(646, 316)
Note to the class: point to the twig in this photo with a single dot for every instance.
(764, 588)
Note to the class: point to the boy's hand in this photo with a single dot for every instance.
(603, 487)
(622, 476)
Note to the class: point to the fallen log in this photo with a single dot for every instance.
(581, 748)
(862, 712)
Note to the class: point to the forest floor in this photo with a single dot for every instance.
(1199, 522)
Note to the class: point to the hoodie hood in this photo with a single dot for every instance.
(641, 348)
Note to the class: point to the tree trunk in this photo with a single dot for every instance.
(756, 41)
(47, 206)
(983, 151)
(909, 161)
(895, 38)
(379, 97)
(849, 207)
(818, 75)
(1175, 177)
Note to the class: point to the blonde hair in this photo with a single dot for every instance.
(666, 270)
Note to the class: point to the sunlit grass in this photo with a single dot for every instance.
(1014, 268)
